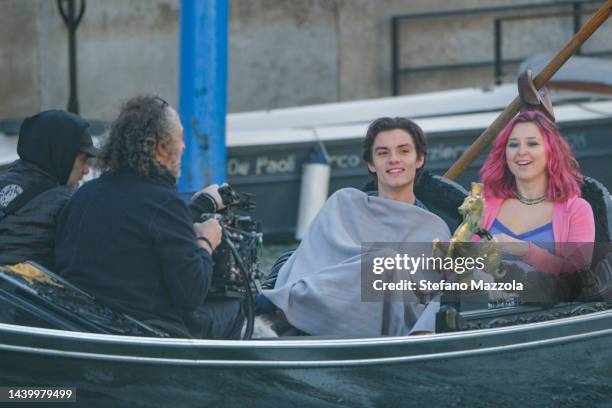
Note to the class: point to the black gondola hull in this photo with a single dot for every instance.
(550, 363)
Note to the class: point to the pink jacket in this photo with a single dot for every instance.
(572, 222)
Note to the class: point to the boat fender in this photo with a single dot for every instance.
(314, 188)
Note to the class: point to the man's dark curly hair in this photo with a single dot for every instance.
(383, 124)
(143, 122)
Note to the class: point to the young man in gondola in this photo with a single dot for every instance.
(317, 289)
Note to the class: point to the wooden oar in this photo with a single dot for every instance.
(547, 72)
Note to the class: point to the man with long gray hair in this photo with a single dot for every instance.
(130, 240)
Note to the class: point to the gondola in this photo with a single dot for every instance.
(53, 334)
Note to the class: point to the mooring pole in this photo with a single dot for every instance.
(547, 72)
(203, 95)
(72, 21)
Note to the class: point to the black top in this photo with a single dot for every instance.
(29, 232)
(130, 242)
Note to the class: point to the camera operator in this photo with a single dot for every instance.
(128, 239)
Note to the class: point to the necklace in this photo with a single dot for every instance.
(530, 201)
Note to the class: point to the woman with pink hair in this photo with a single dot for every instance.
(532, 193)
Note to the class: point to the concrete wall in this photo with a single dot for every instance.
(124, 47)
(281, 52)
(19, 85)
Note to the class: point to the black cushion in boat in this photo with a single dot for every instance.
(271, 278)
(599, 197)
(596, 283)
(442, 197)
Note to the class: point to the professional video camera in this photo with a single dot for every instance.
(237, 269)
(236, 259)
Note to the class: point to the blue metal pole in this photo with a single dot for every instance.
(202, 98)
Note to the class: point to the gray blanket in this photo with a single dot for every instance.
(319, 287)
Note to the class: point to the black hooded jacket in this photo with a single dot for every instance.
(29, 233)
(48, 145)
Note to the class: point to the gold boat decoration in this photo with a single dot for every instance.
(30, 273)
(461, 245)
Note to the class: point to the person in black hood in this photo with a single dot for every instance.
(52, 140)
(54, 148)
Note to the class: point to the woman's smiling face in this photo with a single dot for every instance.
(526, 152)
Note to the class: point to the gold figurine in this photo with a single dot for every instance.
(461, 245)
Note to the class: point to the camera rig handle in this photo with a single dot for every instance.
(240, 201)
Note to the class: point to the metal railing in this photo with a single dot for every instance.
(499, 16)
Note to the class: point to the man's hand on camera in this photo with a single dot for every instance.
(211, 230)
(212, 191)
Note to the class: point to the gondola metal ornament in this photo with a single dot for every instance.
(461, 243)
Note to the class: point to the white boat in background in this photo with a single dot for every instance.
(8, 150)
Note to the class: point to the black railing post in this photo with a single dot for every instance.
(498, 64)
(394, 56)
(72, 20)
(497, 49)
